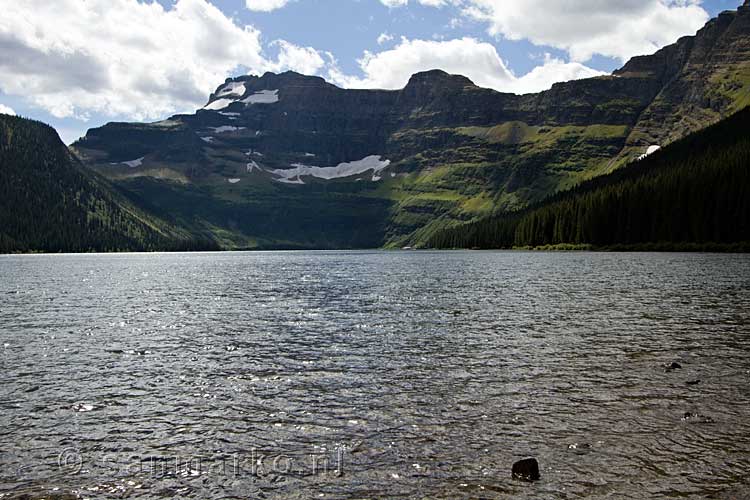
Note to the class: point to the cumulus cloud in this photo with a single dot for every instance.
(129, 58)
(265, 5)
(552, 71)
(479, 61)
(384, 38)
(392, 68)
(583, 28)
(305, 60)
(5, 110)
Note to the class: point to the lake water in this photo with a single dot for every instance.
(374, 375)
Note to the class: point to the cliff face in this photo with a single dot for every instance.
(703, 79)
(293, 160)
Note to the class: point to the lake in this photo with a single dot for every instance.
(374, 375)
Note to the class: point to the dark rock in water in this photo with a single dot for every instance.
(527, 470)
(674, 365)
(693, 382)
(697, 418)
(33, 389)
(579, 445)
(580, 448)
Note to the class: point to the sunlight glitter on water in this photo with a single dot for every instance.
(430, 373)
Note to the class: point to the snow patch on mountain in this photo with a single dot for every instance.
(233, 181)
(253, 166)
(263, 97)
(207, 139)
(649, 151)
(134, 163)
(340, 171)
(233, 88)
(229, 95)
(226, 128)
(218, 104)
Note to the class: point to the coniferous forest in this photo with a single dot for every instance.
(49, 202)
(691, 195)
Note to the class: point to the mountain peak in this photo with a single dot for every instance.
(237, 88)
(439, 77)
(291, 77)
(278, 80)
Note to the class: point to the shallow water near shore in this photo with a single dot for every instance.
(375, 374)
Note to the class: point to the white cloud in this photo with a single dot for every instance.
(5, 110)
(127, 58)
(265, 5)
(384, 38)
(305, 60)
(620, 29)
(428, 3)
(552, 71)
(479, 61)
(392, 68)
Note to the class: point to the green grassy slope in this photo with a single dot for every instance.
(690, 195)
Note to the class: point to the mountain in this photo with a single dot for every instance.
(50, 202)
(292, 161)
(690, 195)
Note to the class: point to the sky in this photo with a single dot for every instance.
(77, 64)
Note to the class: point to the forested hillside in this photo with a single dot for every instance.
(693, 194)
(51, 203)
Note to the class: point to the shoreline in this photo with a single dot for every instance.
(697, 248)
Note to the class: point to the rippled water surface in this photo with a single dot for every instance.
(374, 375)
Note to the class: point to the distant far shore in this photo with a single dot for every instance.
(740, 247)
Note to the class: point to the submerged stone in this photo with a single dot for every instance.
(526, 470)
(697, 418)
(580, 448)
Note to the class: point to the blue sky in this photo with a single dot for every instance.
(77, 65)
